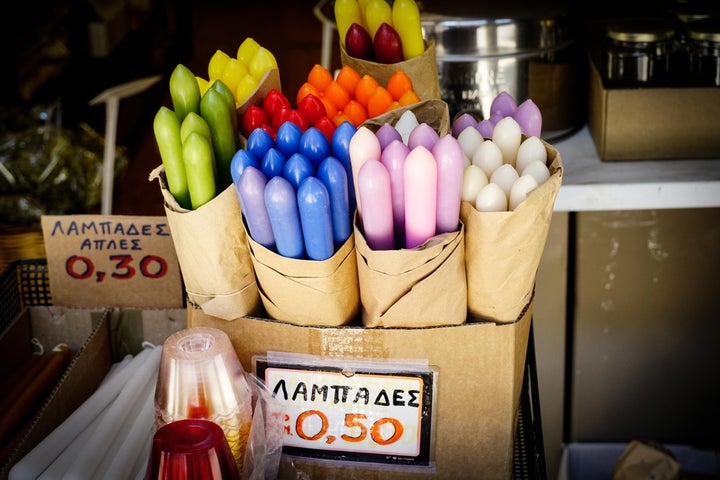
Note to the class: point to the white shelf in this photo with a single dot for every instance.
(590, 184)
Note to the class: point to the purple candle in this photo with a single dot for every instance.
(386, 134)
(423, 135)
(420, 196)
(282, 208)
(450, 161)
(251, 188)
(393, 158)
(376, 205)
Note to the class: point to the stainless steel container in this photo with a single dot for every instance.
(527, 53)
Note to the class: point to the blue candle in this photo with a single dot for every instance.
(282, 208)
(251, 189)
(340, 149)
(273, 163)
(297, 168)
(315, 218)
(287, 138)
(259, 142)
(332, 173)
(314, 146)
(242, 158)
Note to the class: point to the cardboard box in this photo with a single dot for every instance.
(97, 337)
(596, 461)
(480, 369)
(653, 123)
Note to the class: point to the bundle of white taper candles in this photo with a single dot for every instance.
(109, 435)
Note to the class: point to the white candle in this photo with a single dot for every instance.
(520, 190)
(538, 170)
(508, 136)
(38, 459)
(504, 176)
(470, 139)
(530, 150)
(491, 199)
(473, 180)
(406, 124)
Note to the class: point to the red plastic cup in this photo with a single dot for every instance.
(191, 449)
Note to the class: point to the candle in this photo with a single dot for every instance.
(423, 135)
(38, 459)
(259, 142)
(281, 204)
(332, 173)
(473, 180)
(273, 163)
(406, 21)
(117, 414)
(491, 198)
(406, 124)
(507, 136)
(297, 168)
(450, 161)
(251, 187)
(420, 188)
(462, 122)
(287, 138)
(340, 149)
(377, 12)
(530, 149)
(242, 158)
(538, 170)
(393, 158)
(504, 176)
(503, 105)
(488, 157)
(315, 218)
(346, 12)
(529, 117)
(364, 146)
(314, 146)
(520, 190)
(470, 139)
(376, 200)
(386, 134)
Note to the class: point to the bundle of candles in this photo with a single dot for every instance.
(294, 191)
(506, 162)
(408, 182)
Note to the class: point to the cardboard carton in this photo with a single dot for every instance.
(653, 123)
(479, 380)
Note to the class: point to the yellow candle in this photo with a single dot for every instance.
(406, 21)
(347, 12)
(377, 12)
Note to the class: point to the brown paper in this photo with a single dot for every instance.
(644, 461)
(213, 253)
(420, 287)
(422, 70)
(503, 249)
(308, 292)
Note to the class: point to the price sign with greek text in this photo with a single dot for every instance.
(361, 413)
(111, 261)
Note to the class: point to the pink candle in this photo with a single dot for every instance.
(393, 158)
(450, 161)
(364, 146)
(420, 196)
(376, 201)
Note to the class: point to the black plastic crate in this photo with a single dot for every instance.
(23, 283)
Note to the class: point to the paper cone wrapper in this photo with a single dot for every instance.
(213, 253)
(412, 288)
(503, 250)
(422, 70)
(308, 292)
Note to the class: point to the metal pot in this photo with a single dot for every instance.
(525, 53)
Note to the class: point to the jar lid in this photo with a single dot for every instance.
(641, 31)
(706, 29)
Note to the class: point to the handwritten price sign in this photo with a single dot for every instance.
(361, 415)
(103, 261)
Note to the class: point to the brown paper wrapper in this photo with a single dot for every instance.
(422, 70)
(213, 253)
(420, 287)
(308, 292)
(503, 250)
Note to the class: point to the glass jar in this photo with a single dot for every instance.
(703, 47)
(637, 53)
